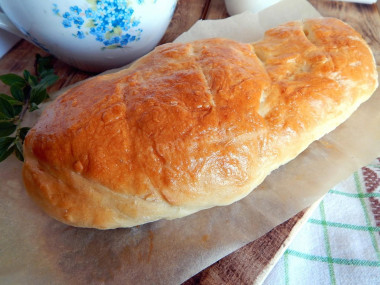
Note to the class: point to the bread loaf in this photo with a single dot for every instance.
(193, 125)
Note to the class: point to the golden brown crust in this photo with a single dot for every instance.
(191, 126)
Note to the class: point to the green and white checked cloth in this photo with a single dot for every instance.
(340, 243)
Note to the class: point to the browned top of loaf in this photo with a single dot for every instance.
(190, 120)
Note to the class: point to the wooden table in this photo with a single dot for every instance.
(245, 265)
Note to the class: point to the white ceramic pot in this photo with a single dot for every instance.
(91, 35)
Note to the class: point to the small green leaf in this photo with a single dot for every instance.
(5, 154)
(17, 105)
(38, 94)
(6, 97)
(43, 63)
(23, 132)
(49, 80)
(11, 100)
(19, 154)
(26, 75)
(18, 150)
(46, 72)
(33, 107)
(31, 79)
(6, 108)
(17, 93)
(6, 147)
(5, 143)
(4, 118)
(6, 128)
(12, 79)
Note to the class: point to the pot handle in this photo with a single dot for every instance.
(6, 24)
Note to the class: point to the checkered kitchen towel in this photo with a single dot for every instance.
(340, 243)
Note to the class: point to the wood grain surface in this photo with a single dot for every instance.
(246, 265)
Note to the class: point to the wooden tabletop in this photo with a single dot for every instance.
(245, 265)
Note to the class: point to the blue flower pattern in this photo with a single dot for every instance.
(55, 9)
(110, 22)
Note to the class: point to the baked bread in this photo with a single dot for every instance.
(195, 125)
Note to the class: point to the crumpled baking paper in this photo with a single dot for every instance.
(35, 249)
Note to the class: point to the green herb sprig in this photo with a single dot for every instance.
(26, 93)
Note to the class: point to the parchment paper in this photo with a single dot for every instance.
(35, 249)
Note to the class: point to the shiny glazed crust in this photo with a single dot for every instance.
(191, 126)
